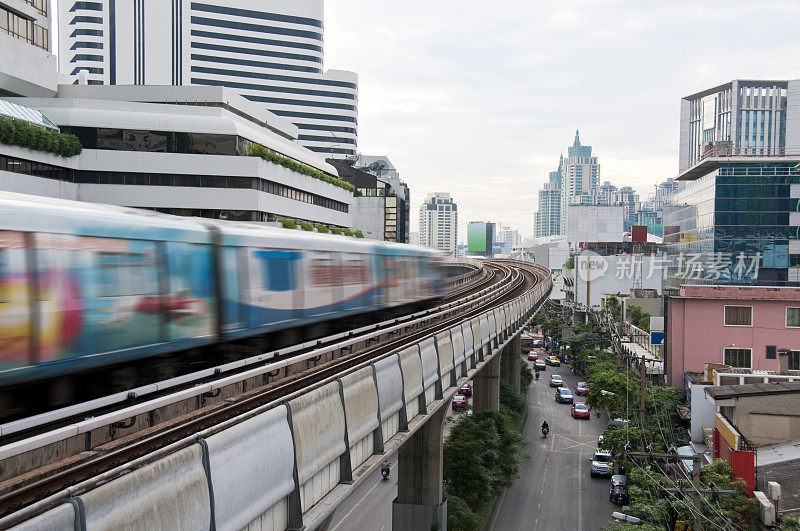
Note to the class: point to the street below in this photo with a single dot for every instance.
(556, 491)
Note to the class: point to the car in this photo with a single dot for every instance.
(581, 388)
(580, 410)
(532, 356)
(622, 423)
(540, 365)
(602, 463)
(556, 381)
(460, 401)
(465, 390)
(538, 343)
(563, 395)
(618, 493)
(552, 360)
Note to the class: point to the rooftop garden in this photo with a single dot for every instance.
(257, 150)
(19, 133)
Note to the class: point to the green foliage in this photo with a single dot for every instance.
(570, 263)
(638, 318)
(20, 133)
(288, 223)
(459, 515)
(358, 234)
(613, 307)
(348, 232)
(788, 523)
(306, 226)
(336, 230)
(324, 229)
(482, 455)
(587, 337)
(257, 150)
(627, 526)
(525, 376)
(553, 327)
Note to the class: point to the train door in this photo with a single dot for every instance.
(275, 294)
(233, 297)
(15, 302)
(323, 279)
(358, 287)
(188, 307)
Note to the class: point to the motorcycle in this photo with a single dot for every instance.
(385, 473)
(545, 431)
(537, 375)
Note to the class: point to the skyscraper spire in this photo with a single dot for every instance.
(577, 139)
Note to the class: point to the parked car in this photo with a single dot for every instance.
(556, 381)
(619, 422)
(563, 395)
(618, 493)
(465, 390)
(552, 360)
(460, 401)
(581, 388)
(602, 463)
(540, 365)
(532, 356)
(580, 410)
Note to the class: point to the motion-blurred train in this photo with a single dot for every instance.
(83, 285)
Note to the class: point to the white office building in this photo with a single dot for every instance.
(589, 223)
(27, 66)
(269, 51)
(438, 223)
(177, 150)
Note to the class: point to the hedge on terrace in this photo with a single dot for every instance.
(19, 133)
(257, 150)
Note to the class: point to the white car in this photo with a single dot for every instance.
(556, 381)
(602, 463)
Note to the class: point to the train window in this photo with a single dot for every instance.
(277, 269)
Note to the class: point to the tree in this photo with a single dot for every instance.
(613, 307)
(638, 318)
(570, 263)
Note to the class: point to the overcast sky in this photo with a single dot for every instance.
(479, 98)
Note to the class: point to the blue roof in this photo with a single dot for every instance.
(32, 116)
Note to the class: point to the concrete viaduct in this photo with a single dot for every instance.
(288, 465)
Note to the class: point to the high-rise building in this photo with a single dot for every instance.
(480, 238)
(438, 223)
(548, 217)
(736, 220)
(629, 200)
(740, 117)
(27, 68)
(506, 239)
(270, 51)
(606, 194)
(580, 174)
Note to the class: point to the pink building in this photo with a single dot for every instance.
(740, 326)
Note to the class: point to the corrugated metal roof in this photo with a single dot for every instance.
(734, 391)
(18, 112)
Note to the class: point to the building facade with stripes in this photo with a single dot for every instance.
(270, 51)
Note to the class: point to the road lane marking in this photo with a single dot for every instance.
(580, 494)
(354, 507)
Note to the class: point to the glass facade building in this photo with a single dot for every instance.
(737, 224)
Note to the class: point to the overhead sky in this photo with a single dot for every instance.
(479, 98)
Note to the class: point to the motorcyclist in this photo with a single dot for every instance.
(537, 375)
(545, 426)
(385, 468)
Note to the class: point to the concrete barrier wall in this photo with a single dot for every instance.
(251, 466)
(62, 518)
(389, 380)
(411, 367)
(318, 429)
(171, 493)
(444, 345)
(430, 368)
(459, 354)
(486, 335)
(360, 407)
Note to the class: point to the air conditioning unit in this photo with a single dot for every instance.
(766, 510)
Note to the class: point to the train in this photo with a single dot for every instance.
(84, 286)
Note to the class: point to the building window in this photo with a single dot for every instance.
(738, 316)
(792, 317)
(737, 357)
(772, 352)
(794, 360)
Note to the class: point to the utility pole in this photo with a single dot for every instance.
(696, 495)
(642, 389)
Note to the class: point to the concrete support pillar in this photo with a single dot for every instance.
(420, 498)
(512, 362)
(486, 386)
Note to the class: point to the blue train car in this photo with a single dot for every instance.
(85, 285)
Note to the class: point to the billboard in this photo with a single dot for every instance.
(476, 237)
